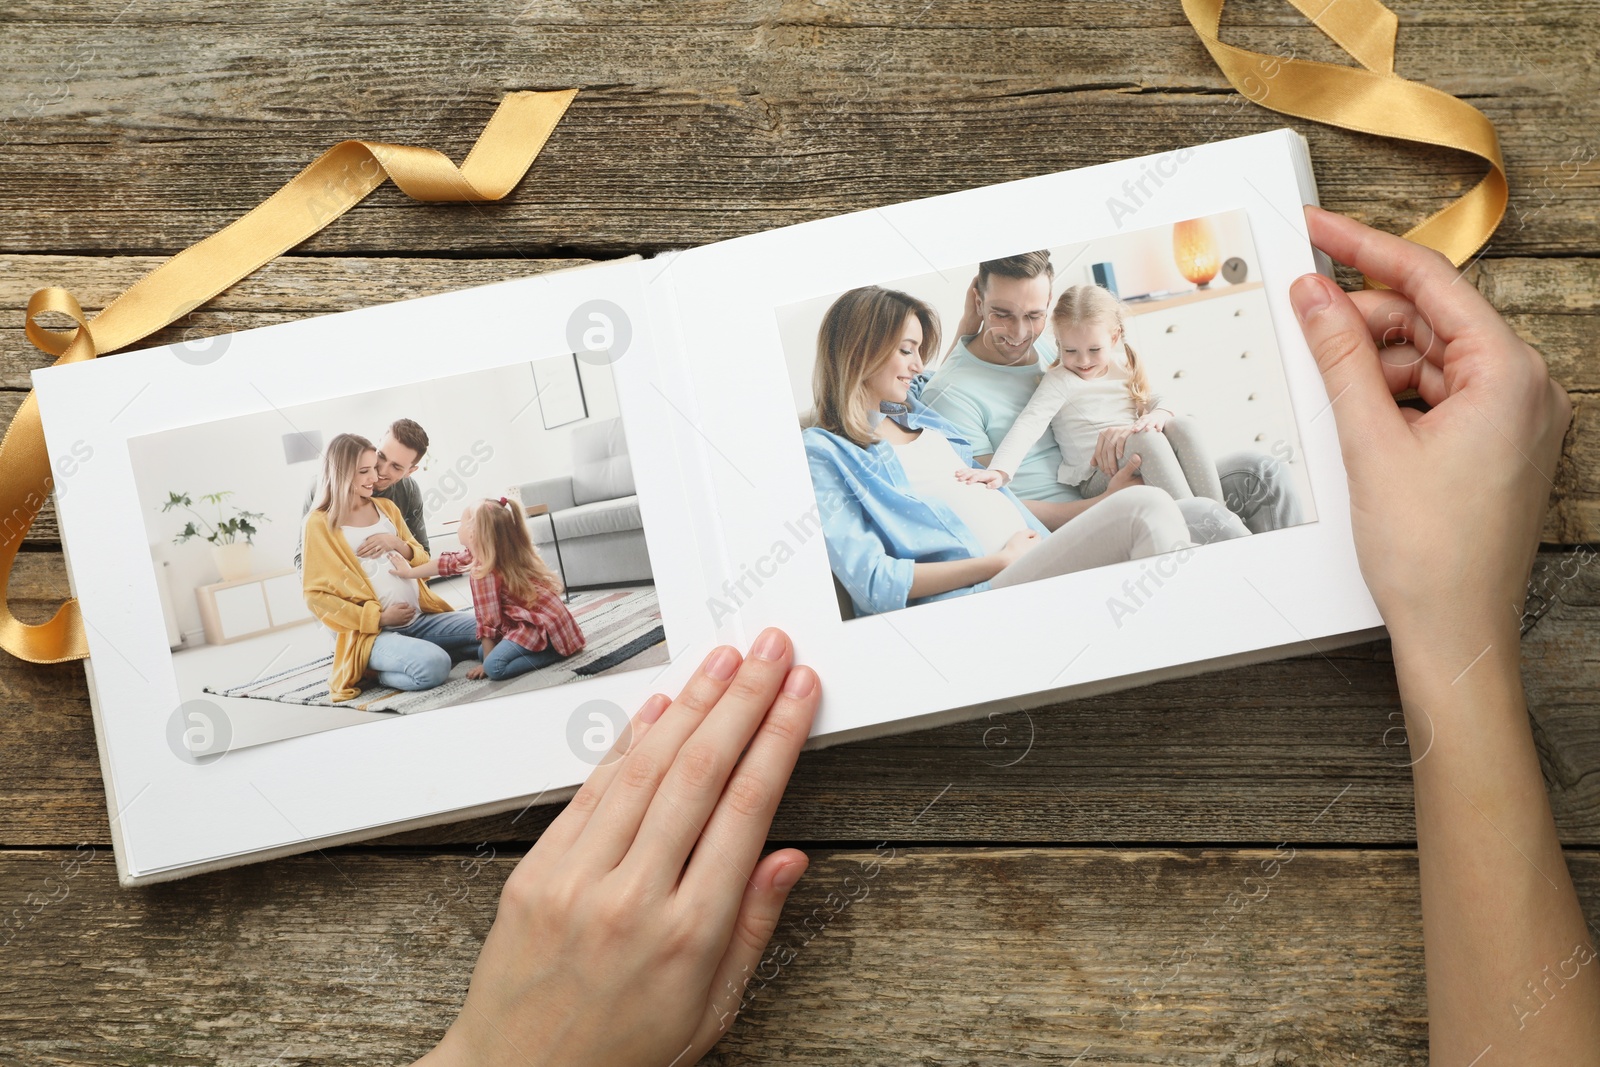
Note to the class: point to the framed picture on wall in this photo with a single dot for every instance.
(559, 390)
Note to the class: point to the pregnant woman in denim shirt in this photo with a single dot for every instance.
(900, 527)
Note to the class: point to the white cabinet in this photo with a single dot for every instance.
(240, 609)
(285, 598)
(1213, 355)
(250, 606)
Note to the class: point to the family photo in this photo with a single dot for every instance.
(1044, 412)
(400, 551)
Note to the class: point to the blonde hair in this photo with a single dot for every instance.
(504, 548)
(1083, 304)
(340, 461)
(858, 335)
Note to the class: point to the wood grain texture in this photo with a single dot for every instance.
(1078, 901)
(141, 132)
(972, 956)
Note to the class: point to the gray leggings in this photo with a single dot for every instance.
(1174, 460)
(1136, 522)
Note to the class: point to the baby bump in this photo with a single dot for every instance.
(988, 513)
(389, 588)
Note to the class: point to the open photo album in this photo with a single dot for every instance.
(410, 564)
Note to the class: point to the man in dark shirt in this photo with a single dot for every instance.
(399, 453)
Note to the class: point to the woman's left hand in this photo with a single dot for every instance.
(628, 934)
(1108, 448)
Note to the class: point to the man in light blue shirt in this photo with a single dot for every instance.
(991, 371)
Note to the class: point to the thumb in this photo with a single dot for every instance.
(1363, 408)
(1134, 461)
(744, 972)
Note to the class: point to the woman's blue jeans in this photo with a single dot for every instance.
(419, 654)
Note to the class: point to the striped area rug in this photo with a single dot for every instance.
(622, 629)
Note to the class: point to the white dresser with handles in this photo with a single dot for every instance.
(1212, 354)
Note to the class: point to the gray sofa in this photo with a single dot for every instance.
(595, 510)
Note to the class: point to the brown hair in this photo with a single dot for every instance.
(858, 334)
(340, 461)
(413, 436)
(505, 548)
(1024, 266)
(1080, 304)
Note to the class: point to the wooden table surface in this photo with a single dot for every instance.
(1081, 902)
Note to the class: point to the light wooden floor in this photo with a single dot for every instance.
(1081, 903)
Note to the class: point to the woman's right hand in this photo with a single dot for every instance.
(1446, 507)
(397, 614)
(1015, 546)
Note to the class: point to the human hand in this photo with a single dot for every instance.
(612, 943)
(978, 476)
(400, 566)
(1015, 546)
(1109, 445)
(1127, 474)
(476, 671)
(1446, 504)
(380, 544)
(1153, 420)
(397, 614)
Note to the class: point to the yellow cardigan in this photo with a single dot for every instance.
(338, 593)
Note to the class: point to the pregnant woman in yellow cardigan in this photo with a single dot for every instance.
(384, 625)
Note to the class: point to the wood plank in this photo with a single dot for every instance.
(1239, 756)
(979, 956)
(712, 120)
(1574, 515)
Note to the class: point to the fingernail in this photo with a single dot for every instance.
(800, 682)
(654, 707)
(788, 875)
(769, 645)
(721, 664)
(1309, 295)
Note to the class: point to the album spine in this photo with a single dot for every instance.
(680, 388)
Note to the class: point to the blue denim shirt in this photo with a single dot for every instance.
(875, 528)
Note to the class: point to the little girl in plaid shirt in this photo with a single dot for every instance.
(516, 596)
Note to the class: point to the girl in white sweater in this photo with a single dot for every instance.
(1097, 384)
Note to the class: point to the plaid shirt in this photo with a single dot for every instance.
(546, 621)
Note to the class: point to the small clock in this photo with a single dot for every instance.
(1234, 270)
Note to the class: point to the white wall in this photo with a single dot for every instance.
(485, 434)
(1142, 259)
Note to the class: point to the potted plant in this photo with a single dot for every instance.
(230, 535)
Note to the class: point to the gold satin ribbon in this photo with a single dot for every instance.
(1372, 100)
(331, 185)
